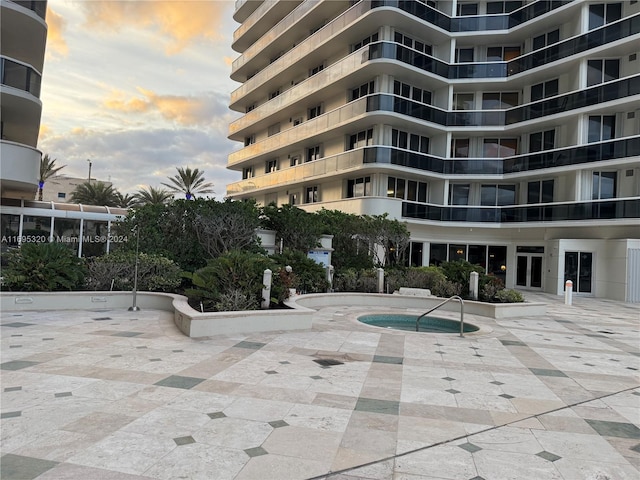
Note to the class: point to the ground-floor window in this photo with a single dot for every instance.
(493, 258)
(578, 267)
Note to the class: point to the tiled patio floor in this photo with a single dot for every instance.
(124, 395)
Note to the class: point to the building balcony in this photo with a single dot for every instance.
(23, 31)
(306, 172)
(244, 8)
(260, 21)
(622, 150)
(607, 92)
(19, 169)
(599, 38)
(624, 210)
(478, 23)
(20, 112)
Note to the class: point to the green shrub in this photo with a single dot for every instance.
(43, 267)
(491, 287)
(415, 277)
(445, 288)
(307, 275)
(156, 273)
(237, 271)
(509, 296)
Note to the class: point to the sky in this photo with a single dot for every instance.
(139, 87)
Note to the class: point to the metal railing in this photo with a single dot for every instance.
(455, 297)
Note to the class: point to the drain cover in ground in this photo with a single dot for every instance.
(327, 362)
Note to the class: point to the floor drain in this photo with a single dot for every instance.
(328, 362)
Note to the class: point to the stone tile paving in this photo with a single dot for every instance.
(124, 395)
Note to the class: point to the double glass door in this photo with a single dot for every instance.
(529, 270)
(578, 267)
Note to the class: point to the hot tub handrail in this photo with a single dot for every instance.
(455, 297)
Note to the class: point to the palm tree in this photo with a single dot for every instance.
(48, 169)
(152, 196)
(189, 182)
(95, 193)
(126, 200)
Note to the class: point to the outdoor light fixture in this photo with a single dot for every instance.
(503, 267)
(460, 251)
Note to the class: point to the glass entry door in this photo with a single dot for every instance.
(578, 269)
(529, 270)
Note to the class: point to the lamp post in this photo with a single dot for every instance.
(90, 163)
(134, 307)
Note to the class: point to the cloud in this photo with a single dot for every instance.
(183, 22)
(184, 110)
(56, 43)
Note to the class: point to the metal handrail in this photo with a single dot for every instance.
(456, 297)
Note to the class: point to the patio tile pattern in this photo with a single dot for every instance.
(113, 395)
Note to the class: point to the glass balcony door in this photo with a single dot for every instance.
(578, 267)
(529, 270)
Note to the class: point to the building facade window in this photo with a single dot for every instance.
(499, 100)
(546, 39)
(295, 160)
(313, 153)
(604, 185)
(314, 112)
(540, 141)
(410, 190)
(273, 130)
(294, 198)
(463, 101)
(502, 54)
(603, 13)
(414, 93)
(410, 42)
(362, 91)
(459, 194)
(460, 148)
(601, 128)
(316, 69)
(364, 41)
(544, 90)
(602, 70)
(466, 9)
(274, 94)
(494, 8)
(361, 139)
(247, 173)
(499, 147)
(497, 195)
(540, 191)
(271, 166)
(464, 55)
(250, 140)
(409, 141)
(312, 194)
(359, 187)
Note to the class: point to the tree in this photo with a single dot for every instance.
(95, 193)
(126, 200)
(297, 229)
(153, 196)
(48, 169)
(189, 182)
(388, 239)
(350, 251)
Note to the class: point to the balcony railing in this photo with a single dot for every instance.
(613, 209)
(593, 152)
(565, 49)
(614, 90)
(473, 23)
(39, 7)
(21, 76)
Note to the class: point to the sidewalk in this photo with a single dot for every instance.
(123, 395)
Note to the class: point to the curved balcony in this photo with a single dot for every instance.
(23, 31)
(20, 112)
(299, 174)
(243, 9)
(479, 23)
(610, 91)
(19, 168)
(270, 12)
(623, 209)
(620, 149)
(623, 29)
(20, 75)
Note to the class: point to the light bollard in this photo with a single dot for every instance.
(134, 307)
(568, 292)
(266, 289)
(380, 280)
(473, 285)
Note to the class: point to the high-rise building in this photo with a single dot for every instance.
(506, 133)
(22, 44)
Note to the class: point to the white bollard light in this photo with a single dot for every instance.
(568, 292)
(474, 278)
(381, 280)
(266, 289)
